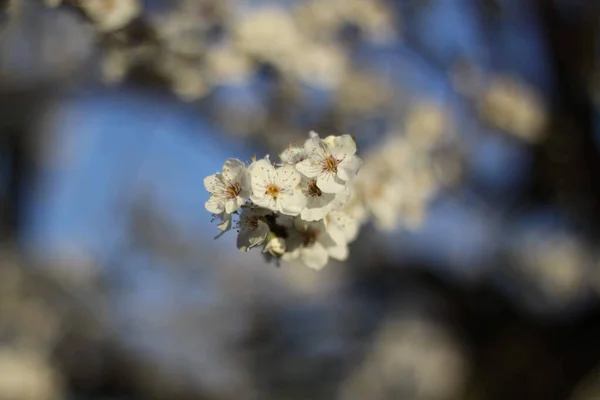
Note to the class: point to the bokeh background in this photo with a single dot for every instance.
(482, 282)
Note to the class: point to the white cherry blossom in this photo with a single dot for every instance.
(229, 189)
(310, 206)
(332, 161)
(315, 244)
(277, 189)
(224, 225)
(292, 155)
(253, 229)
(341, 227)
(318, 203)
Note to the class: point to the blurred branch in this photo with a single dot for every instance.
(568, 163)
(19, 168)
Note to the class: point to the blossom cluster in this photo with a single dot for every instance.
(292, 209)
(197, 48)
(405, 172)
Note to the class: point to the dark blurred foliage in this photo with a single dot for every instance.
(493, 296)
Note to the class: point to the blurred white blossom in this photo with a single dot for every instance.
(24, 375)
(426, 124)
(514, 107)
(111, 15)
(396, 184)
(414, 358)
(557, 265)
(326, 18)
(268, 34)
(226, 66)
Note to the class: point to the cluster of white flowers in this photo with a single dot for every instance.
(107, 15)
(395, 186)
(301, 42)
(292, 209)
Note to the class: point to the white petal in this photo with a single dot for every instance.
(336, 233)
(292, 155)
(314, 147)
(339, 252)
(325, 238)
(349, 167)
(232, 168)
(248, 239)
(342, 228)
(342, 198)
(314, 214)
(212, 183)
(318, 207)
(224, 225)
(294, 203)
(314, 257)
(291, 255)
(232, 205)
(309, 167)
(341, 146)
(262, 170)
(214, 205)
(287, 177)
(328, 183)
(264, 201)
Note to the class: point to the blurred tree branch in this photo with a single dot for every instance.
(568, 163)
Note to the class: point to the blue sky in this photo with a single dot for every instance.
(113, 146)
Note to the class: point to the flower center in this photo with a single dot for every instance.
(330, 164)
(273, 191)
(313, 189)
(251, 223)
(233, 190)
(309, 237)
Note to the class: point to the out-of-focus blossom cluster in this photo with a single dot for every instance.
(412, 357)
(503, 101)
(291, 209)
(107, 15)
(197, 46)
(554, 267)
(514, 107)
(401, 175)
(302, 43)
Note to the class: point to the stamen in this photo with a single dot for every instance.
(313, 189)
(233, 190)
(251, 223)
(330, 164)
(309, 237)
(273, 191)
